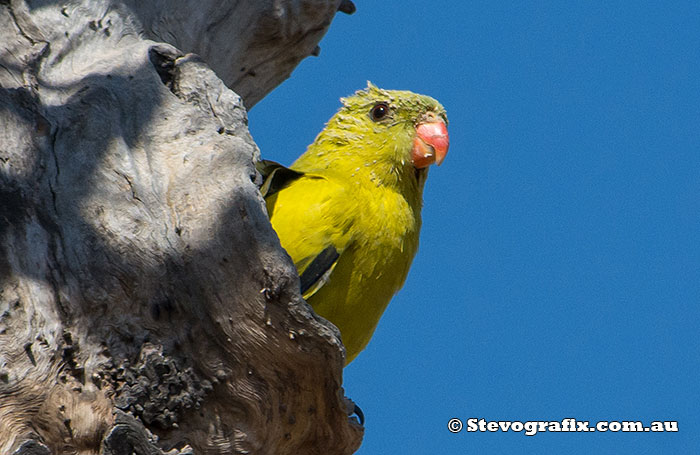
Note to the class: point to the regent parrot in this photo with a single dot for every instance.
(348, 211)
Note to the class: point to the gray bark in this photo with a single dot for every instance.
(146, 305)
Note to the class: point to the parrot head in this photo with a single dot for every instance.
(394, 130)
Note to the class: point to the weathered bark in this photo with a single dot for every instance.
(145, 303)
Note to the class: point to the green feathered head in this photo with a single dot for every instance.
(391, 131)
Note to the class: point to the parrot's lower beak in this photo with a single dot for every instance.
(430, 144)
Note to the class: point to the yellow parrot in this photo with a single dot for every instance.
(348, 210)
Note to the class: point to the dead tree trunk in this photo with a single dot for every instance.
(146, 305)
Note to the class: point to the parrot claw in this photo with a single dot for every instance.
(360, 415)
(354, 411)
(347, 7)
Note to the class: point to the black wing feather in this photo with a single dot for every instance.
(275, 176)
(318, 268)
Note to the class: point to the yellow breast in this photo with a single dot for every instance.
(374, 229)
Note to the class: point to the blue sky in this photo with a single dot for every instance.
(559, 268)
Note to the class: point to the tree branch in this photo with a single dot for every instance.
(146, 305)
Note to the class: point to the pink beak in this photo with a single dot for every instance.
(430, 144)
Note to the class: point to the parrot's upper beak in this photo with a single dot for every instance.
(430, 143)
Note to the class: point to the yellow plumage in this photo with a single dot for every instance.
(348, 210)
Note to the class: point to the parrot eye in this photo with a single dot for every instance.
(379, 111)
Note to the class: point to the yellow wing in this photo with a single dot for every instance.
(313, 227)
(352, 244)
